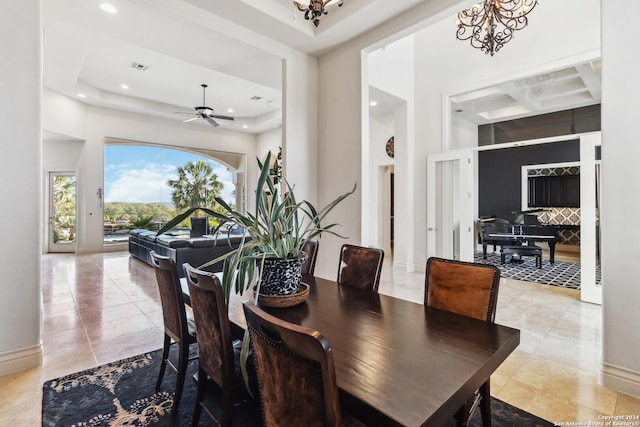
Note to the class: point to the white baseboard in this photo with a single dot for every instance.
(20, 360)
(401, 266)
(621, 379)
(406, 267)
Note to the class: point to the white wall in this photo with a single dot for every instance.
(300, 125)
(267, 141)
(391, 68)
(620, 178)
(64, 116)
(20, 173)
(464, 134)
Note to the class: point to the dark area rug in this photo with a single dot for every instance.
(123, 393)
(560, 273)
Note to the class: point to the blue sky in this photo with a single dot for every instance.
(139, 174)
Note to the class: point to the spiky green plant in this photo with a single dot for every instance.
(278, 227)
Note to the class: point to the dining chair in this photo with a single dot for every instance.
(218, 354)
(360, 267)
(469, 289)
(311, 249)
(179, 326)
(296, 373)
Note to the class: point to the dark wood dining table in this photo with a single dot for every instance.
(397, 362)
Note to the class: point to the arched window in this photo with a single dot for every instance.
(146, 185)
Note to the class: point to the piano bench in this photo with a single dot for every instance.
(535, 251)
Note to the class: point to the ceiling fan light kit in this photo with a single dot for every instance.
(315, 9)
(206, 113)
(490, 24)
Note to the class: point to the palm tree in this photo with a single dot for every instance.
(196, 186)
(64, 206)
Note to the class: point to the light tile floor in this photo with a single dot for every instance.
(103, 307)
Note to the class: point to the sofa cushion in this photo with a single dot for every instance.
(171, 242)
(201, 242)
(227, 240)
(149, 236)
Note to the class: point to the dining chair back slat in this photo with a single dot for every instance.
(360, 267)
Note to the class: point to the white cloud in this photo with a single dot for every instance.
(226, 178)
(147, 183)
(144, 185)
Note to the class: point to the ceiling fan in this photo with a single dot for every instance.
(206, 113)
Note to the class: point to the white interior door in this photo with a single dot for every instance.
(62, 212)
(450, 210)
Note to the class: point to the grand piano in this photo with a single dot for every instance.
(517, 228)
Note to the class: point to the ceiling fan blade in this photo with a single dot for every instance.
(182, 112)
(211, 121)
(221, 117)
(189, 120)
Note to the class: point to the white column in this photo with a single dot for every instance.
(21, 177)
(620, 201)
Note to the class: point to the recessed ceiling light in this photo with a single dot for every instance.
(82, 95)
(108, 8)
(373, 103)
(229, 110)
(245, 127)
(124, 86)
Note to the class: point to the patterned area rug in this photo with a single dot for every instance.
(560, 273)
(122, 393)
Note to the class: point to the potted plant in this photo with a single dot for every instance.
(275, 233)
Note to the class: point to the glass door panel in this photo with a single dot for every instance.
(62, 212)
(590, 280)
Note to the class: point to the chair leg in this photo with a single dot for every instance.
(183, 359)
(202, 377)
(163, 364)
(227, 406)
(461, 416)
(485, 404)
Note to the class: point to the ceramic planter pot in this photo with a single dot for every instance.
(281, 276)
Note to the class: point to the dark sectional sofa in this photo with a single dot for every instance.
(195, 251)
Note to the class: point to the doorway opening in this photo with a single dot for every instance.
(62, 212)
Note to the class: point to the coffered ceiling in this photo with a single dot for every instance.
(571, 87)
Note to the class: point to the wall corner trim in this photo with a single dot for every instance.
(620, 379)
(20, 360)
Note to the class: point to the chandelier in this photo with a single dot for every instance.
(492, 23)
(315, 9)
